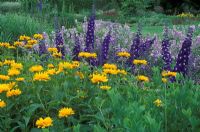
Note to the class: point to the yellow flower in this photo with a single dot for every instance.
(4, 77)
(123, 54)
(41, 76)
(11, 47)
(158, 102)
(169, 74)
(53, 50)
(32, 42)
(2, 104)
(143, 78)
(65, 112)
(4, 87)
(18, 43)
(4, 45)
(51, 71)
(109, 66)
(140, 62)
(36, 68)
(87, 55)
(38, 36)
(110, 71)
(80, 74)
(17, 66)
(8, 62)
(13, 72)
(20, 79)
(97, 78)
(23, 38)
(57, 55)
(164, 80)
(11, 85)
(14, 92)
(75, 64)
(123, 72)
(44, 123)
(50, 66)
(105, 87)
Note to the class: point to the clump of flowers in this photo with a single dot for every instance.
(13, 72)
(44, 122)
(65, 112)
(4, 77)
(158, 102)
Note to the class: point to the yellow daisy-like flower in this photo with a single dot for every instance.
(13, 72)
(143, 78)
(65, 112)
(32, 42)
(14, 92)
(36, 68)
(8, 62)
(20, 79)
(75, 64)
(4, 77)
(164, 80)
(80, 74)
(123, 54)
(41, 76)
(11, 47)
(44, 122)
(51, 71)
(140, 62)
(18, 43)
(110, 71)
(158, 102)
(17, 66)
(4, 87)
(53, 50)
(24, 38)
(105, 87)
(123, 72)
(169, 74)
(50, 66)
(97, 78)
(57, 54)
(109, 66)
(38, 36)
(87, 55)
(2, 104)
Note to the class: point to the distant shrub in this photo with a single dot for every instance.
(10, 6)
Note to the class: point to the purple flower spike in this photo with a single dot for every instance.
(42, 48)
(183, 56)
(166, 55)
(105, 49)
(77, 49)
(59, 42)
(90, 34)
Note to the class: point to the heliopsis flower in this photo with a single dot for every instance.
(4, 87)
(140, 62)
(32, 42)
(143, 78)
(123, 72)
(75, 64)
(44, 122)
(97, 78)
(13, 72)
(169, 74)
(8, 62)
(158, 102)
(14, 92)
(4, 77)
(57, 54)
(53, 50)
(36, 68)
(123, 54)
(51, 71)
(110, 71)
(87, 55)
(38, 36)
(65, 112)
(11, 47)
(109, 66)
(41, 76)
(164, 80)
(24, 38)
(105, 87)
(20, 79)
(50, 66)
(2, 104)
(18, 43)
(17, 66)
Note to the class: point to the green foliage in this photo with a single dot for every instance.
(14, 25)
(10, 6)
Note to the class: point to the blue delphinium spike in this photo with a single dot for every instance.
(90, 33)
(76, 49)
(166, 55)
(105, 49)
(183, 56)
(146, 46)
(59, 42)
